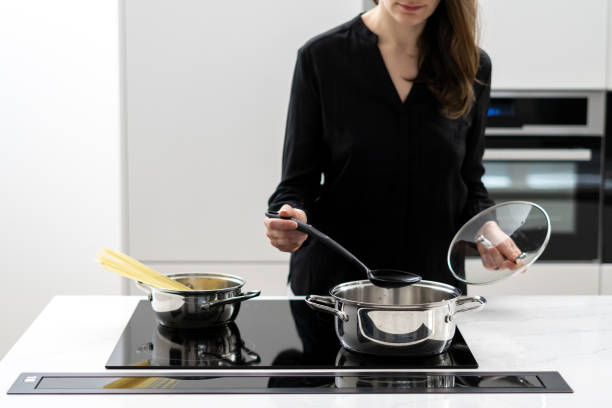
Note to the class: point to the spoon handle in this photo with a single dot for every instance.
(310, 230)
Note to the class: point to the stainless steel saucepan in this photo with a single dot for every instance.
(416, 320)
(419, 320)
(214, 300)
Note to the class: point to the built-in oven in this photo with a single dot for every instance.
(606, 253)
(546, 147)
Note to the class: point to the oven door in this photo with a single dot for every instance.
(560, 173)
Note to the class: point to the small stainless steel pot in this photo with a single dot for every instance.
(416, 320)
(214, 301)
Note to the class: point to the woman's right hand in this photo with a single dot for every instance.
(283, 234)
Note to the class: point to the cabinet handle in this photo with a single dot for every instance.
(583, 155)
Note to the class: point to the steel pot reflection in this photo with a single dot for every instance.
(349, 359)
(220, 346)
(405, 381)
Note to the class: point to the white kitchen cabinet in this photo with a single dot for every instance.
(606, 279)
(546, 44)
(547, 278)
(609, 47)
(206, 92)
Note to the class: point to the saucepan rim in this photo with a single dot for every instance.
(433, 285)
(239, 283)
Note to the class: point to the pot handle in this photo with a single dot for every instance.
(145, 289)
(233, 299)
(325, 304)
(479, 300)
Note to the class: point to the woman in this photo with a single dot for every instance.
(384, 143)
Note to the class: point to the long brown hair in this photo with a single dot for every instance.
(449, 56)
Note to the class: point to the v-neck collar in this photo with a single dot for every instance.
(415, 96)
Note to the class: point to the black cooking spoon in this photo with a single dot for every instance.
(386, 278)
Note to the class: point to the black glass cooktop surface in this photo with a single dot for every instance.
(267, 334)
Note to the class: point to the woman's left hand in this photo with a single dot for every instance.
(497, 250)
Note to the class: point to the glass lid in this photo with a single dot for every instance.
(499, 242)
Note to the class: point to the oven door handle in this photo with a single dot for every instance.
(581, 155)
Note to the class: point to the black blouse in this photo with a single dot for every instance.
(391, 181)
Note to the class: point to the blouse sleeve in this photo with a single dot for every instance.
(301, 168)
(472, 169)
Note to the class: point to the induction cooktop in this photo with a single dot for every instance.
(267, 334)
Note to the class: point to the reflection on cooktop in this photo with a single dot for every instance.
(217, 347)
(271, 334)
(254, 382)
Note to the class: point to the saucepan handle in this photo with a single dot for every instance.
(325, 304)
(233, 299)
(145, 289)
(477, 303)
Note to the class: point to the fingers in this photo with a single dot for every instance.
(287, 211)
(286, 241)
(282, 233)
(508, 249)
(491, 257)
(493, 233)
(496, 258)
(482, 250)
(279, 225)
(510, 265)
(502, 250)
(510, 252)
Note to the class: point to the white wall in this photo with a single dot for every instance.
(59, 153)
(546, 44)
(206, 106)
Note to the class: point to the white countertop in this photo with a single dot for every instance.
(569, 334)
